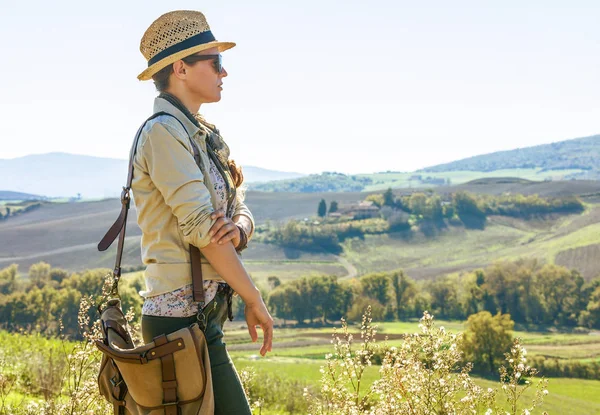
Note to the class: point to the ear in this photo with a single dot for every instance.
(179, 69)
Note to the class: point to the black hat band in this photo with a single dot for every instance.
(199, 39)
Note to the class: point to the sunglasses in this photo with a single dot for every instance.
(217, 60)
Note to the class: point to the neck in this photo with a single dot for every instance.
(178, 103)
(192, 104)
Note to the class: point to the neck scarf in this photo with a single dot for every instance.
(221, 164)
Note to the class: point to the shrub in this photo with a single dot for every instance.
(423, 376)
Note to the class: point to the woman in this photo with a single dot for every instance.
(179, 204)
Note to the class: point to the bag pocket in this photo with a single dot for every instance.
(145, 381)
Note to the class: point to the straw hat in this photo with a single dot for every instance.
(174, 36)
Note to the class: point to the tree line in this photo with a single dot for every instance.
(53, 295)
(531, 292)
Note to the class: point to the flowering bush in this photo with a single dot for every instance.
(423, 376)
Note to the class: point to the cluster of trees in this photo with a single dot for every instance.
(533, 294)
(530, 292)
(308, 238)
(323, 298)
(438, 181)
(429, 210)
(426, 211)
(521, 206)
(319, 298)
(322, 209)
(51, 295)
(314, 183)
(325, 237)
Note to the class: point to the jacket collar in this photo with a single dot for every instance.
(161, 104)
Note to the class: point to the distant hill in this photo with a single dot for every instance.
(576, 154)
(324, 182)
(8, 195)
(571, 159)
(66, 175)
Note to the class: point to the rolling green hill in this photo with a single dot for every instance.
(564, 160)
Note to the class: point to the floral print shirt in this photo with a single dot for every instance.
(180, 303)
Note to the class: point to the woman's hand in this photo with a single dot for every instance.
(224, 229)
(257, 314)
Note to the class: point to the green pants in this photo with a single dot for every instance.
(230, 398)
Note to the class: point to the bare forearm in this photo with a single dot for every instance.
(227, 263)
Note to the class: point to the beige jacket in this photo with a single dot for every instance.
(174, 199)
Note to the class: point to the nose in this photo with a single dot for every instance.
(223, 73)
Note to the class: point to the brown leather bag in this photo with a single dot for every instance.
(169, 376)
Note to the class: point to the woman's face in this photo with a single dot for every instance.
(202, 79)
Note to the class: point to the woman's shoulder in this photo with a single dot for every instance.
(165, 121)
(164, 126)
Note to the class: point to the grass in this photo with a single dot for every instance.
(567, 396)
(314, 343)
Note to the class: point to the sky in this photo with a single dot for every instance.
(328, 85)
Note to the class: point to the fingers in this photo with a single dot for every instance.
(261, 317)
(220, 213)
(221, 226)
(226, 233)
(267, 339)
(253, 333)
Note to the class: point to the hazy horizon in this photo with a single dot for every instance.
(314, 86)
(286, 171)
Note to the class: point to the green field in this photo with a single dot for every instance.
(298, 354)
(313, 343)
(294, 357)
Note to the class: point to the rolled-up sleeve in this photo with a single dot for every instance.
(242, 209)
(178, 178)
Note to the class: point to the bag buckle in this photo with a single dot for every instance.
(143, 357)
(114, 289)
(170, 403)
(200, 316)
(114, 382)
(125, 198)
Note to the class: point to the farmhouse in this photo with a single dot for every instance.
(361, 210)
